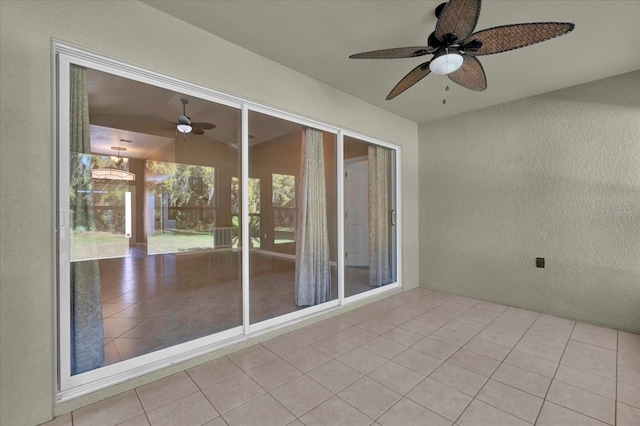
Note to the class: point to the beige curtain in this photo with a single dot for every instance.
(313, 273)
(379, 268)
(87, 334)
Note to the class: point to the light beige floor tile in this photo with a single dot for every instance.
(504, 326)
(251, 357)
(419, 327)
(310, 334)
(357, 336)
(335, 412)
(625, 336)
(557, 321)
(301, 395)
(551, 329)
(458, 378)
(463, 327)
(333, 325)
(439, 398)
(584, 380)
(538, 349)
(274, 373)
(407, 413)
(520, 316)
(555, 415)
(399, 316)
(475, 362)
(592, 351)
(194, 409)
(384, 347)
(628, 347)
(584, 402)
(110, 411)
(61, 420)
(498, 337)
(284, 344)
(433, 319)
(370, 397)
(263, 411)
(547, 339)
(138, 421)
(531, 363)
(213, 371)
(629, 360)
(352, 317)
(396, 377)
(628, 394)
(403, 336)
(362, 360)
(482, 347)
(334, 375)
(479, 319)
(370, 311)
(592, 365)
(163, 391)
(306, 358)
(435, 348)
(232, 392)
(375, 326)
(480, 414)
(417, 361)
(627, 415)
(522, 379)
(629, 375)
(511, 400)
(450, 336)
(333, 346)
(218, 421)
(594, 336)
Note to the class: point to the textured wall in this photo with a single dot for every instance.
(140, 35)
(554, 176)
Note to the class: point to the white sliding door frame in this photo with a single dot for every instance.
(73, 386)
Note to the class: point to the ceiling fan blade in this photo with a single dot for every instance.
(470, 75)
(510, 37)
(397, 53)
(414, 76)
(458, 17)
(203, 125)
(196, 131)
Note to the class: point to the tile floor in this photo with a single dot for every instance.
(154, 302)
(416, 358)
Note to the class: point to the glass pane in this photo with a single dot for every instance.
(283, 195)
(183, 207)
(278, 284)
(370, 204)
(154, 218)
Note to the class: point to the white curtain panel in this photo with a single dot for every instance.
(313, 273)
(379, 269)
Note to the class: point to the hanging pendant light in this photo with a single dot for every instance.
(113, 173)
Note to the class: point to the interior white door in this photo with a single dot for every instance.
(356, 209)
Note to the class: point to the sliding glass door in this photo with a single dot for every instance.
(180, 232)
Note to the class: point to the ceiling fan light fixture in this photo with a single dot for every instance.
(184, 128)
(446, 63)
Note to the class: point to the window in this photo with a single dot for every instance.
(283, 194)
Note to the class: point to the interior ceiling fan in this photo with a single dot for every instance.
(185, 125)
(455, 46)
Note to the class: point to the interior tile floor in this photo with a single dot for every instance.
(416, 358)
(154, 302)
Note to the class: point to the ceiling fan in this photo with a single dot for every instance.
(455, 46)
(185, 125)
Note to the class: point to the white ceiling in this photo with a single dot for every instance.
(316, 38)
